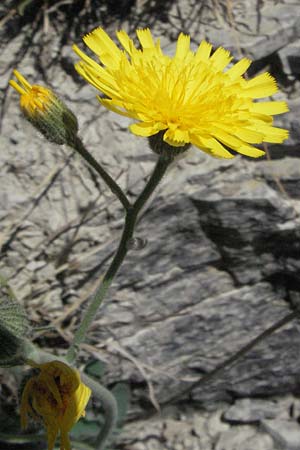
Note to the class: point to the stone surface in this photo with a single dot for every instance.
(245, 438)
(290, 59)
(257, 29)
(286, 434)
(251, 411)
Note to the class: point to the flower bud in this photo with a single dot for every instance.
(46, 111)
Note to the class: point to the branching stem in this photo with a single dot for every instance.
(132, 213)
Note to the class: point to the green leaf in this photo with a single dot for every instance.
(95, 368)
(121, 392)
(86, 430)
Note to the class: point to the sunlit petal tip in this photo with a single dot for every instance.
(93, 40)
(183, 46)
(77, 50)
(22, 80)
(184, 36)
(204, 50)
(253, 152)
(263, 78)
(16, 73)
(276, 135)
(270, 108)
(17, 87)
(284, 107)
(145, 38)
(96, 32)
(125, 41)
(239, 68)
(261, 86)
(221, 52)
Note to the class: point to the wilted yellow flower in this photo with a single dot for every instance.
(189, 97)
(58, 397)
(46, 111)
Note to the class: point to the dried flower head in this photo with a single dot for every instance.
(56, 396)
(189, 97)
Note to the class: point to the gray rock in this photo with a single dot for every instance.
(290, 122)
(257, 30)
(251, 411)
(245, 438)
(290, 59)
(284, 171)
(217, 207)
(286, 434)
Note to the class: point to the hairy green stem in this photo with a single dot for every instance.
(128, 230)
(110, 407)
(114, 187)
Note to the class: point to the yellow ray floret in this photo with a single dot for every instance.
(58, 397)
(190, 98)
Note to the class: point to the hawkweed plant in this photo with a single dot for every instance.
(189, 99)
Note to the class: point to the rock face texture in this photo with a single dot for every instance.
(220, 256)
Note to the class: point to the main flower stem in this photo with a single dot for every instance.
(132, 213)
(114, 187)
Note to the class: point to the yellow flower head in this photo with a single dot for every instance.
(188, 98)
(58, 397)
(46, 111)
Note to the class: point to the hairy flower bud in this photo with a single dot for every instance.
(46, 111)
